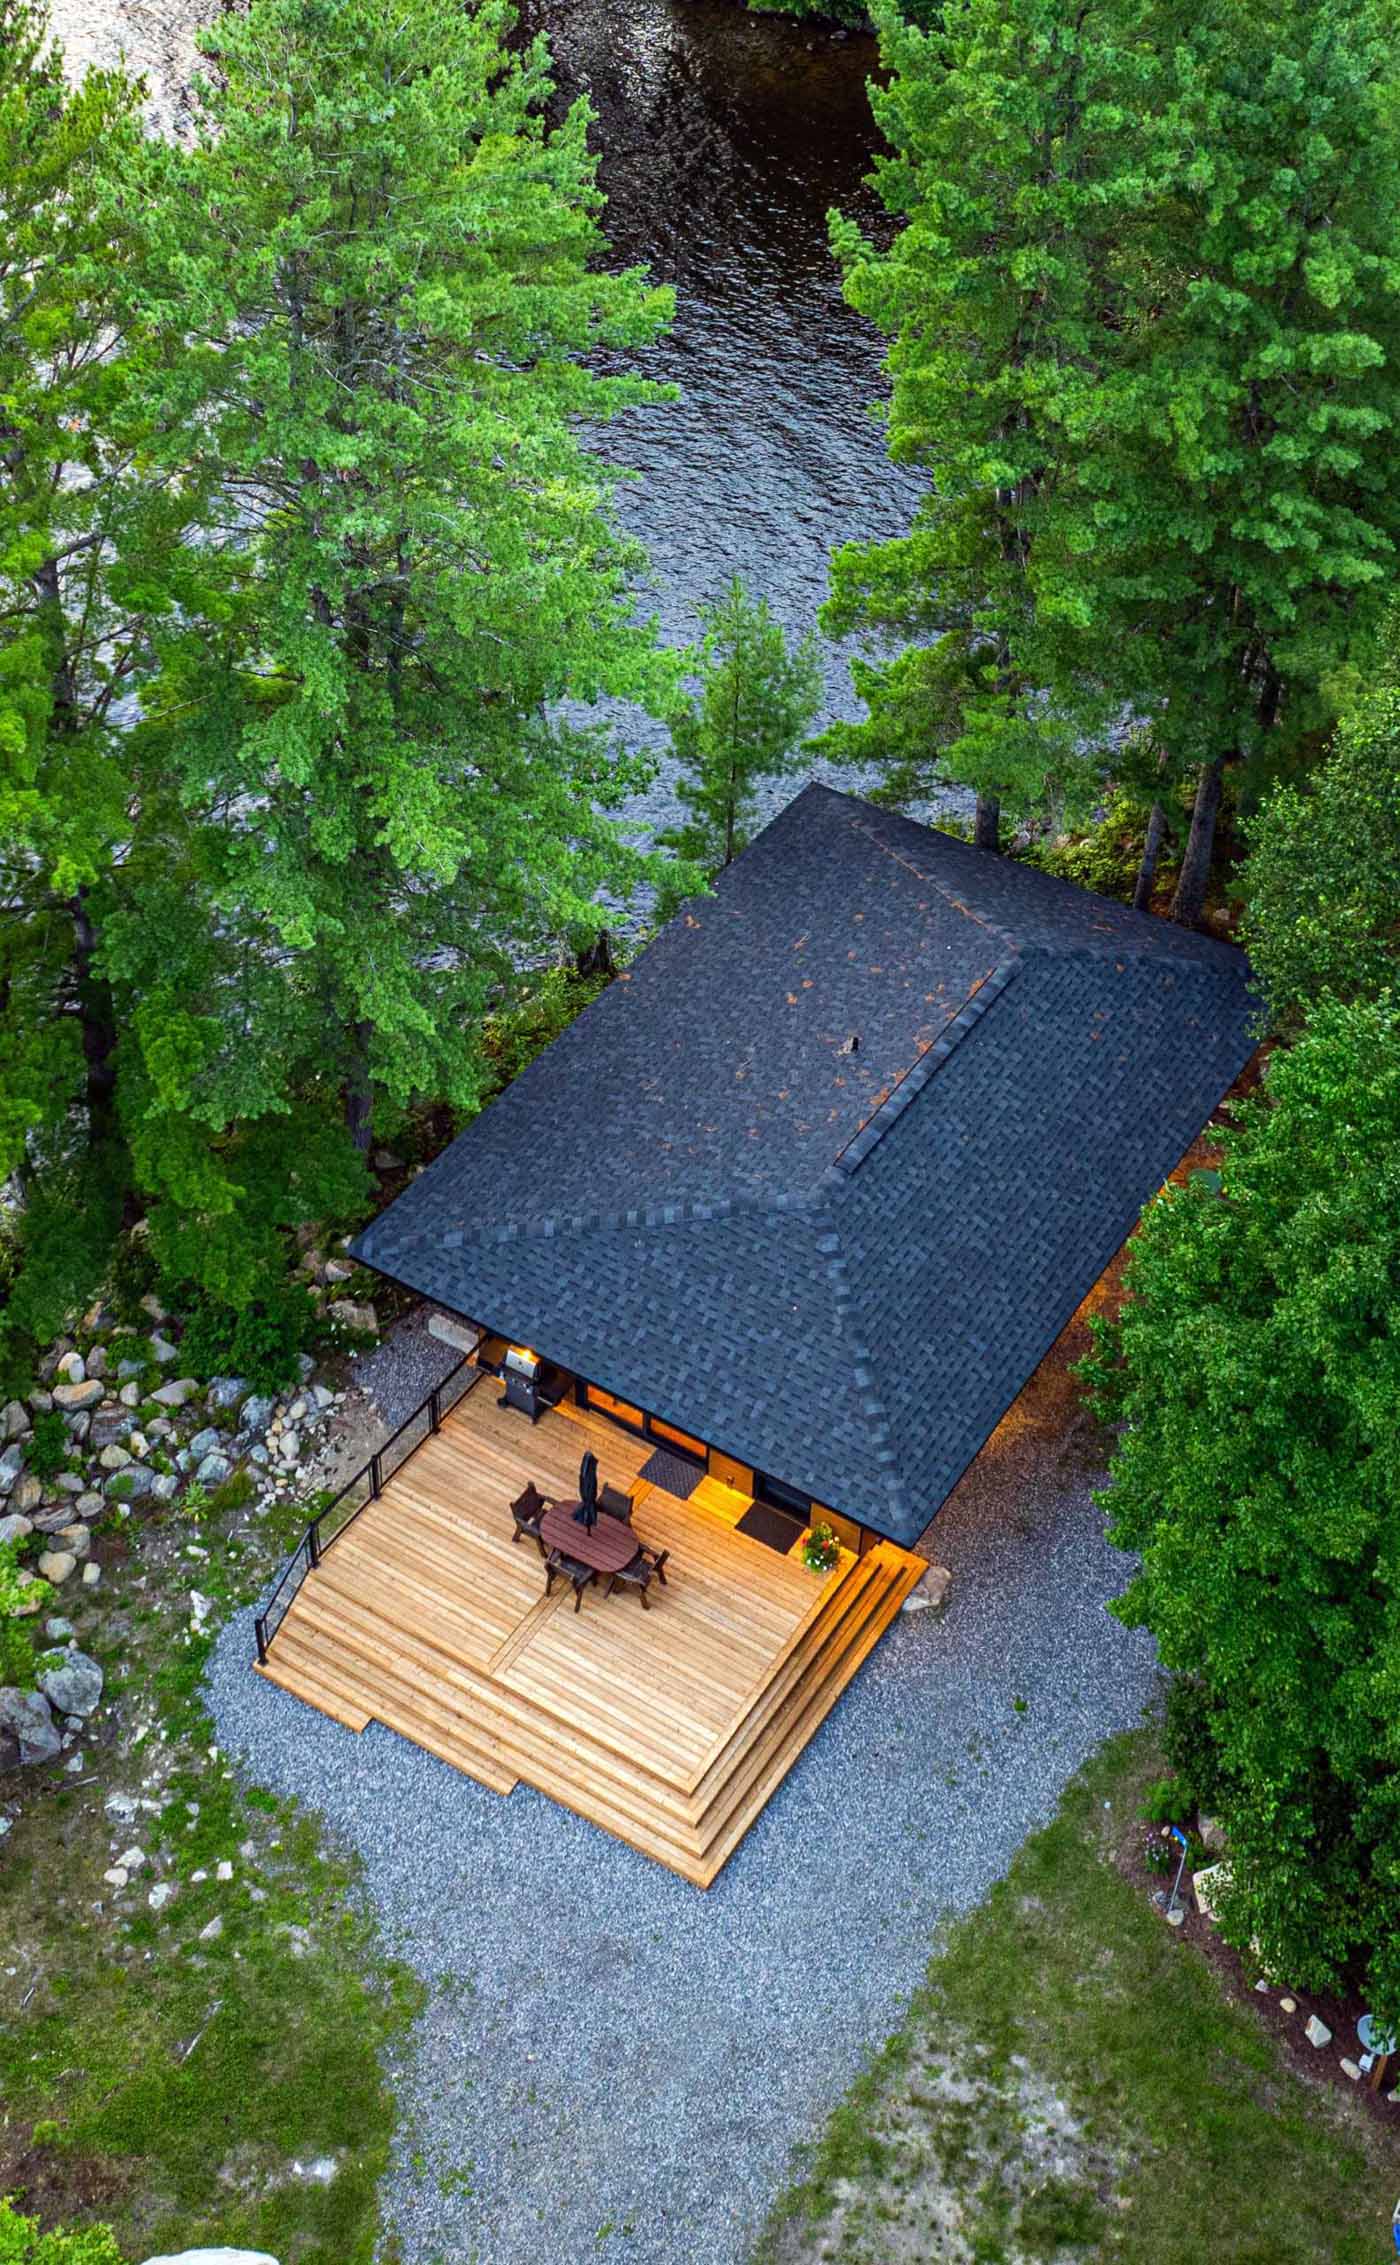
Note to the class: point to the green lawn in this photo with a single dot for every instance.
(189, 2092)
(1071, 2083)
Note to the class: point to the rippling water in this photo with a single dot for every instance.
(725, 139)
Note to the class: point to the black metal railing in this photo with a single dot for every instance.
(344, 1508)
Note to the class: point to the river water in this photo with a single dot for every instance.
(725, 139)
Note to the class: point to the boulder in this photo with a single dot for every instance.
(92, 1573)
(14, 1528)
(71, 1397)
(14, 1420)
(130, 1485)
(26, 1495)
(341, 1269)
(57, 1629)
(89, 1505)
(162, 1351)
(72, 1369)
(256, 1414)
(290, 1446)
(114, 1458)
(1317, 2032)
(70, 1482)
(77, 1537)
(216, 2257)
(931, 1592)
(164, 1486)
(97, 1361)
(26, 1717)
(74, 1686)
(11, 1468)
(176, 1392)
(228, 1391)
(130, 1396)
(152, 1308)
(1212, 1835)
(214, 1469)
(352, 1315)
(56, 1565)
(41, 1401)
(204, 1442)
(79, 1426)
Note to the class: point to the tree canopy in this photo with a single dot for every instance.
(1255, 1372)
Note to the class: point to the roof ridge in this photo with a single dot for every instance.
(1003, 937)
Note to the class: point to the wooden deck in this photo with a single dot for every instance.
(670, 1727)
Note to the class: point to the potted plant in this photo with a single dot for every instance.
(821, 1549)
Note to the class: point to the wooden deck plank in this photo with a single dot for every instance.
(671, 1727)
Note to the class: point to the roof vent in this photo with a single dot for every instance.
(850, 1045)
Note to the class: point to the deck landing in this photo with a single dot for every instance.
(672, 1727)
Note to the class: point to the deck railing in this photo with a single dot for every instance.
(368, 1483)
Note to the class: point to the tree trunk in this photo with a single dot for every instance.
(1189, 901)
(97, 1021)
(359, 1099)
(986, 833)
(1151, 850)
(596, 958)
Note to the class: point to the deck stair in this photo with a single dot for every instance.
(670, 1728)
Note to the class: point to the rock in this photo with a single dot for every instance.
(15, 1528)
(385, 1160)
(297, 1411)
(71, 1369)
(77, 1538)
(132, 1858)
(1288, 2005)
(1207, 1884)
(71, 1397)
(92, 1573)
(79, 1427)
(114, 1458)
(116, 1875)
(1350, 2068)
(128, 1369)
(200, 1609)
(931, 1592)
(152, 1307)
(212, 1932)
(214, 1469)
(97, 1361)
(176, 1393)
(130, 1485)
(68, 1482)
(137, 1444)
(88, 1506)
(75, 1687)
(1317, 2032)
(56, 1565)
(57, 1629)
(1176, 1914)
(256, 1414)
(164, 1486)
(162, 1351)
(121, 1807)
(26, 1496)
(215, 2257)
(41, 1401)
(290, 1446)
(11, 1469)
(130, 1395)
(14, 1420)
(1212, 1835)
(28, 1720)
(161, 1894)
(341, 1269)
(224, 1870)
(228, 1391)
(34, 1595)
(204, 1442)
(361, 1318)
(323, 1396)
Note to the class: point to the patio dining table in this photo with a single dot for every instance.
(604, 1547)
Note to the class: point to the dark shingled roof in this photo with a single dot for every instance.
(839, 1266)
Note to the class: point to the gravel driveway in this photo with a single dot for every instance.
(613, 2065)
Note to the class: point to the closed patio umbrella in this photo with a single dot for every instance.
(587, 1511)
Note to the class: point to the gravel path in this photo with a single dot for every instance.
(614, 2065)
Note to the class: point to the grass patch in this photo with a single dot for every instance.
(1070, 2083)
(175, 2083)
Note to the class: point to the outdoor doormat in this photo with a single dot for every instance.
(774, 1527)
(675, 1474)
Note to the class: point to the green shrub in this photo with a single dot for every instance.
(47, 1451)
(130, 1277)
(21, 2242)
(262, 1342)
(1106, 857)
(1188, 1740)
(16, 1643)
(1167, 1802)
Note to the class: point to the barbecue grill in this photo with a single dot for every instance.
(520, 1372)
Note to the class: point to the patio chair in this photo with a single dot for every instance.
(615, 1504)
(646, 1567)
(572, 1571)
(527, 1510)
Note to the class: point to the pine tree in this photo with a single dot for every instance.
(91, 554)
(756, 697)
(386, 269)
